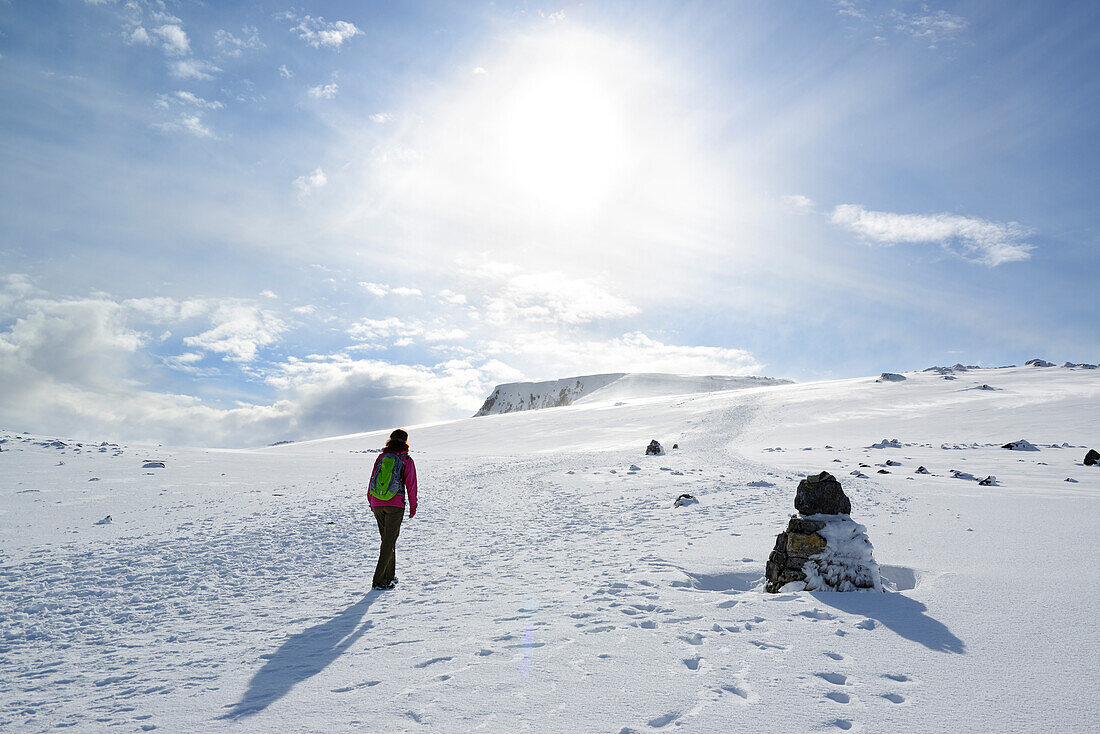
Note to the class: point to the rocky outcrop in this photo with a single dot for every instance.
(822, 551)
(890, 377)
(1092, 458)
(654, 449)
(684, 500)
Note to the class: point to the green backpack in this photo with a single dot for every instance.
(388, 480)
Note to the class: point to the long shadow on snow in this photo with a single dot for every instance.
(901, 614)
(302, 656)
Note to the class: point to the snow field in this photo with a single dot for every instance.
(547, 585)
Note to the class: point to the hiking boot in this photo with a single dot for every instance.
(386, 587)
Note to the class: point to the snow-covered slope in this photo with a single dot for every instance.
(642, 385)
(517, 396)
(548, 583)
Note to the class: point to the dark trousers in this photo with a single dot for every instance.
(389, 527)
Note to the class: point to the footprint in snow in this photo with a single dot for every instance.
(838, 696)
(664, 720)
(834, 655)
(349, 689)
(432, 661)
(899, 677)
(844, 724)
(693, 663)
(837, 679)
(894, 697)
(816, 615)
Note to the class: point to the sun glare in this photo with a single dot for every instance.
(562, 139)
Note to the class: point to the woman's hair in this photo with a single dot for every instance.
(399, 441)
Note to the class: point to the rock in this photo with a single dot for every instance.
(821, 494)
(891, 443)
(654, 449)
(1092, 458)
(800, 524)
(153, 465)
(922, 470)
(990, 481)
(635, 467)
(883, 471)
(891, 462)
(1021, 445)
(822, 553)
(685, 499)
(1038, 363)
(104, 521)
(890, 377)
(675, 445)
(804, 544)
(1082, 365)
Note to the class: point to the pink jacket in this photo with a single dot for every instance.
(409, 477)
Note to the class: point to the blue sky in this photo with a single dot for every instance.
(233, 223)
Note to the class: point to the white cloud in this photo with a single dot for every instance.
(558, 356)
(318, 32)
(239, 330)
(381, 117)
(798, 202)
(196, 101)
(548, 297)
(284, 72)
(381, 289)
(193, 69)
(375, 329)
(15, 287)
(191, 124)
(268, 294)
(324, 91)
(234, 46)
(81, 341)
(377, 289)
(848, 8)
(479, 70)
(974, 239)
(932, 26)
(308, 183)
(139, 37)
(457, 299)
(174, 39)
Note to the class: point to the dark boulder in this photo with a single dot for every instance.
(1092, 458)
(654, 449)
(821, 494)
(685, 499)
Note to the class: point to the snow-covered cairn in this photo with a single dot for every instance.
(822, 549)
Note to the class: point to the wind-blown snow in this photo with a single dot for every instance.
(549, 583)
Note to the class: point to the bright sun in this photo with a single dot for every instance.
(562, 140)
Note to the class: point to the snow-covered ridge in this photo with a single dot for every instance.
(517, 396)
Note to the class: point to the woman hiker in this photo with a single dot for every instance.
(393, 476)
